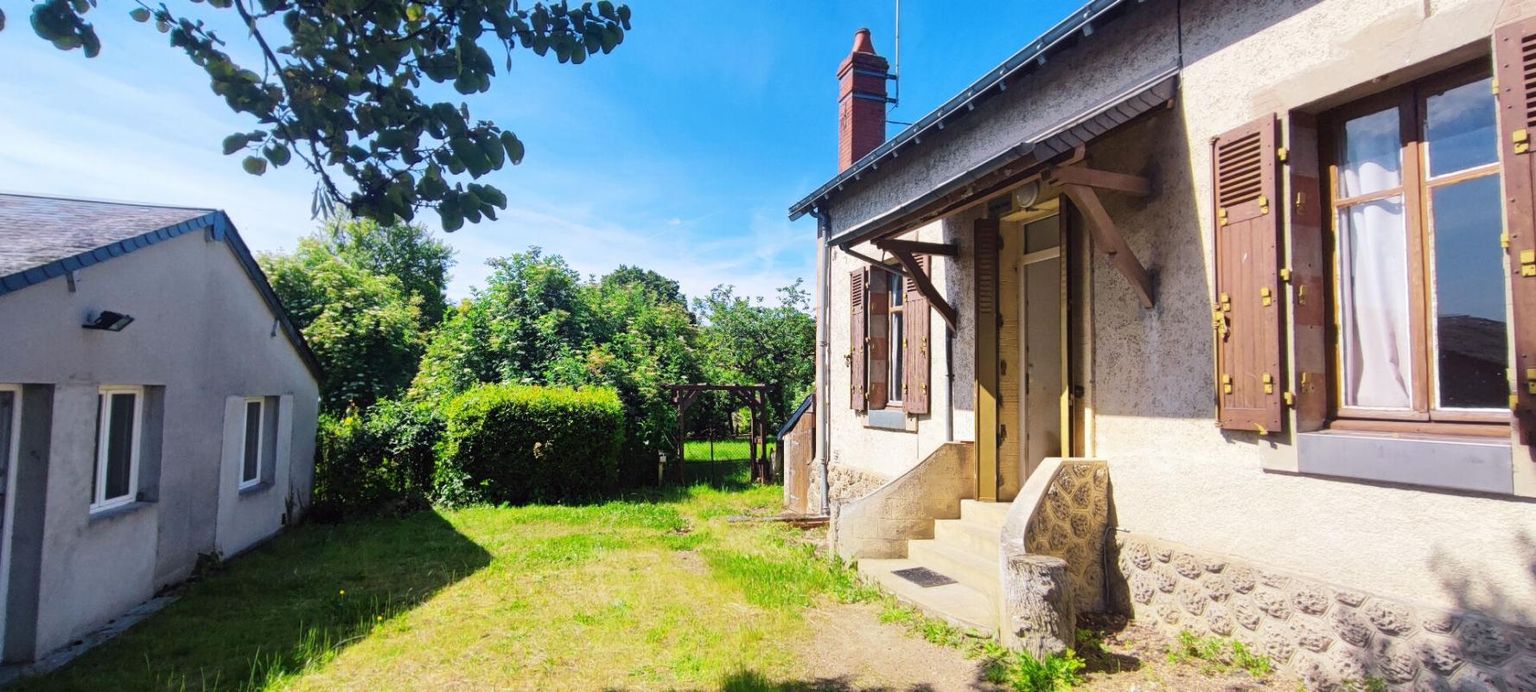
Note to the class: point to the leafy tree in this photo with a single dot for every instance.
(537, 322)
(364, 329)
(407, 252)
(660, 286)
(747, 342)
(336, 86)
(527, 316)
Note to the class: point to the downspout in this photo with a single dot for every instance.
(824, 346)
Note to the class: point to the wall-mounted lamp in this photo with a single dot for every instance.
(109, 321)
(1026, 196)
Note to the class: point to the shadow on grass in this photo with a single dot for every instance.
(753, 681)
(286, 607)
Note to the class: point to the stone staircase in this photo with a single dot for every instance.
(965, 551)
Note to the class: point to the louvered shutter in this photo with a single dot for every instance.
(857, 298)
(987, 243)
(1308, 310)
(1247, 311)
(879, 338)
(1514, 55)
(915, 353)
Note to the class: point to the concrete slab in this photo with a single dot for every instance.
(958, 604)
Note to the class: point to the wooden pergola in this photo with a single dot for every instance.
(753, 396)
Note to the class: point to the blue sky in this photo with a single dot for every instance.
(678, 152)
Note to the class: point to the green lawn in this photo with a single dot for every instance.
(655, 592)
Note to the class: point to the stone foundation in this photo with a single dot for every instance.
(851, 482)
(1327, 635)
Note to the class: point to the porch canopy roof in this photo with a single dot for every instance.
(1015, 163)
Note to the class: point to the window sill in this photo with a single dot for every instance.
(255, 488)
(118, 511)
(890, 419)
(1461, 462)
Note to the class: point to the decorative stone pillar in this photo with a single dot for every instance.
(1038, 613)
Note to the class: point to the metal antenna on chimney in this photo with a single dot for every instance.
(895, 74)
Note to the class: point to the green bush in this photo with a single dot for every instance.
(520, 443)
(377, 461)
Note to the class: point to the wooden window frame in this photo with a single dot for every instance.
(896, 334)
(261, 437)
(1415, 188)
(99, 501)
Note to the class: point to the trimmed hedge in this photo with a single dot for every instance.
(517, 444)
(377, 461)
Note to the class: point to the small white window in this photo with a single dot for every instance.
(250, 460)
(118, 417)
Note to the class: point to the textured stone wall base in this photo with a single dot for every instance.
(1327, 635)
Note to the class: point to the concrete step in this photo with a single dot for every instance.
(961, 564)
(958, 604)
(970, 536)
(984, 513)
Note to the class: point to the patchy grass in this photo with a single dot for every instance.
(1220, 656)
(659, 591)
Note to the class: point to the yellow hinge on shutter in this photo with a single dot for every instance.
(1266, 297)
(1528, 262)
(1290, 398)
(1504, 240)
(1269, 383)
(1495, 87)
(1221, 215)
(1522, 140)
(1282, 153)
(1263, 204)
(1285, 274)
(1530, 380)
(1226, 383)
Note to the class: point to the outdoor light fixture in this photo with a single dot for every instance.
(1026, 196)
(109, 321)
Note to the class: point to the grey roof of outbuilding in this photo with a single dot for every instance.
(35, 231)
(43, 238)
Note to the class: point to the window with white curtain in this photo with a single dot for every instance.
(1418, 268)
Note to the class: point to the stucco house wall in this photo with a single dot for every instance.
(202, 333)
(1176, 476)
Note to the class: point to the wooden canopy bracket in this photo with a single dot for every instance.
(914, 247)
(1103, 180)
(1109, 240)
(925, 286)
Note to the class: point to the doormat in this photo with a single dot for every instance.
(924, 577)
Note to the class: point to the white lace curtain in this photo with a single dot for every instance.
(1377, 348)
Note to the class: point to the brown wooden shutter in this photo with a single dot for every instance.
(915, 368)
(857, 321)
(1514, 56)
(1308, 309)
(879, 338)
(987, 245)
(1247, 315)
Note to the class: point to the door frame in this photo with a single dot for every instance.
(1062, 255)
(11, 455)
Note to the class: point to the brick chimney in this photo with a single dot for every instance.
(861, 101)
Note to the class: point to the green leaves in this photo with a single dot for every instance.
(277, 154)
(342, 95)
(514, 147)
(234, 143)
